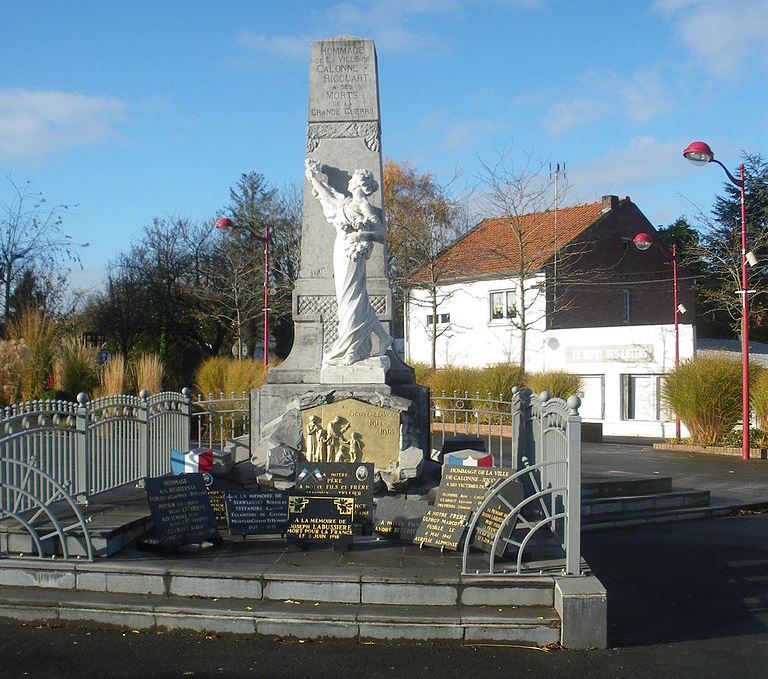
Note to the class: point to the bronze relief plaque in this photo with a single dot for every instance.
(351, 431)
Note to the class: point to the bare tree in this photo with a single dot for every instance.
(540, 265)
(421, 222)
(32, 236)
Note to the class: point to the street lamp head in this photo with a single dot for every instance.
(224, 223)
(699, 153)
(642, 241)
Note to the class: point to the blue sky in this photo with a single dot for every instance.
(154, 108)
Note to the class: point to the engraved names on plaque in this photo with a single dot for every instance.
(262, 512)
(181, 510)
(340, 480)
(325, 520)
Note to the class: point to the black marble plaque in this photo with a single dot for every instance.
(181, 510)
(260, 512)
(318, 519)
(463, 488)
(339, 479)
(443, 528)
(398, 517)
(491, 518)
(216, 497)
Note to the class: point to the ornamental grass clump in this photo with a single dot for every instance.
(705, 393)
(39, 334)
(558, 383)
(112, 376)
(148, 372)
(222, 375)
(74, 368)
(15, 356)
(499, 379)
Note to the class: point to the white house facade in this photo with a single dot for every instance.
(616, 331)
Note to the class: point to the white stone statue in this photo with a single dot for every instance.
(357, 228)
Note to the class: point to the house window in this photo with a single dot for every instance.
(627, 307)
(640, 397)
(502, 305)
(442, 319)
(625, 243)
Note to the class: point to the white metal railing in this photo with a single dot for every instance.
(89, 446)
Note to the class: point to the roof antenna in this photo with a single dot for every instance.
(554, 174)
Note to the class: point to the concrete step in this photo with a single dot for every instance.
(643, 518)
(623, 486)
(600, 509)
(529, 625)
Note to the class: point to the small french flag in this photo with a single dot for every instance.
(196, 461)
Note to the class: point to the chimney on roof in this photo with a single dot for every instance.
(610, 202)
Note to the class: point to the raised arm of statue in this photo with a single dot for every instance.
(330, 199)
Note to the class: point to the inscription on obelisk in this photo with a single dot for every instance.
(343, 135)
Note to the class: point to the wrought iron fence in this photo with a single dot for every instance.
(216, 421)
(89, 446)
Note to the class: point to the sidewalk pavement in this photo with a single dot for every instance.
(731, 481)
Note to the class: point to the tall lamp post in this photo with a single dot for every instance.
(226, 224)
(699, 153)
(643, 242)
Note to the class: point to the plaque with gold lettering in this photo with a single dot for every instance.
(339, 480)
(325, 520)
(463, 488)
(216, 496)
(490, 522)
(351, 431)
(261, 512)
(443, 528)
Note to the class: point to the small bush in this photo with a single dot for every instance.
(499, 379)
(219, 374)
(148, 372)
(15, 356)
(758, 392)
(558, 383)
(423, 373)
(705, 393)
(74, 368)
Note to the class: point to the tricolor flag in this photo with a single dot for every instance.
(196, 461)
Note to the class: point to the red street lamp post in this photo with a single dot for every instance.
(642, 242)
(699, 153)
(227, 224)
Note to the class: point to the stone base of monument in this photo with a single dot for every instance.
(344, 425)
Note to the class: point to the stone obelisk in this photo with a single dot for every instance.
(343, 138)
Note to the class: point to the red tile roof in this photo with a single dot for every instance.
(492, 246)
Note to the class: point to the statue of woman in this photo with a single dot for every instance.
(357, 228)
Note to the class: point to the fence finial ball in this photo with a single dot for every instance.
(544, 396)
(144, 394)
(574, 403)
(186, 391)
(82, 398)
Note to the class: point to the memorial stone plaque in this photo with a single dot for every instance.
(443, 528)
(181, 510)
(340, 480)
(351, 431)
(216, 496)
(260, 512)
(463, 488)
(399, 517)
(489, 522)
(325, 520)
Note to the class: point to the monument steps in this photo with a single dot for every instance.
(530, 625)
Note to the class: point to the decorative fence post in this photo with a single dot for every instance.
(144, 432)
(186, 392)
(83, 480)
(573, 511)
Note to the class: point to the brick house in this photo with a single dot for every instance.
(593, 304)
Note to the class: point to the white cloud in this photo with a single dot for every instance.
(466, 133)
(289, 47)
(645, 160)
(34, 123)
(724, 37)
(602, 93)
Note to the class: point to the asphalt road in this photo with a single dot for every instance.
(686, 600)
